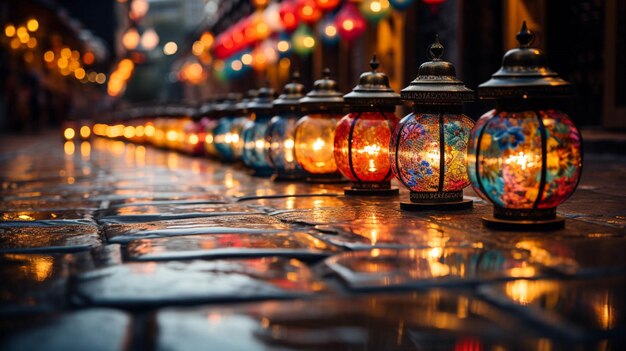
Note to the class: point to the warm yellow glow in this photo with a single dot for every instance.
(193, 139)
(522, 160)
(9, 30)
(375, 6)
(15, 43)
(197, 48)
(69, 148)
(330, 30)
(348, 24)
(236, 65)
(170, 48)
(307, 10)
(23, 38)
(149, 39)
(246, 59)
(48, 56)
(262, 29)
(32, 25)
(208, 139)
(139, 131)
(282, 46)
(318, 144)
(139, 8)
(85, 132)
(149, 130)
(171, 135)
(129, 132)
(284, 62)
(308, 42)
(85, 149)
(69, 133)
(101, 78)
(22, 32)
(79, 73)
(207, 39)
(32, 43)
(131, 39)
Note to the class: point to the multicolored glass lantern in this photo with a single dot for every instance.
(375, 10)
(225, 135)
(363, 135)
(315, 132)
(525, 155)
(303, 40)
(281, 130)
(195, 133)
(254, 142)
(429, 146)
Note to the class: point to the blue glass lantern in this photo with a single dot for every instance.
(281, 130)
(223, 138)
(261, 109)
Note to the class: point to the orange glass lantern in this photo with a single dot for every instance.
(525, 155)
(429, 146)
(315, 132)
(363, 135)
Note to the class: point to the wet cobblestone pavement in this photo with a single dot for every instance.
(113, 246)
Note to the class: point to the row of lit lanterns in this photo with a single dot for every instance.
(524, 156)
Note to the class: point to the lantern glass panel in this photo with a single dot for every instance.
(506, 161)
(314, 139)
(416, 151)
(254, 154)
(362, 146)
(281, 153)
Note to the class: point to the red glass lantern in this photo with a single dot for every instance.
(289, 15)
(327, 5)
(350, 23)
(363, 135)
(308, 12)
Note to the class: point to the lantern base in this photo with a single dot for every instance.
(437, 206)
(524, 219)
(333, 178)
(371, 191)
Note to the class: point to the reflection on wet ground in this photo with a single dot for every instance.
(128, 247)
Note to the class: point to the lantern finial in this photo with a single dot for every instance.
(374, 63)
(525, 37)
(326, 73)
(435, 50)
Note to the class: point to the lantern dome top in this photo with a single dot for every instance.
(292, 93)
(325, 96)
(524, 74)
(263, 101)
(373, 89)
(436, 82)
(227, 106)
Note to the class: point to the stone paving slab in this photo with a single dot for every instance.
(141, 284)
(48, 236)
(434, 320)
(298, 245)
(91, 329)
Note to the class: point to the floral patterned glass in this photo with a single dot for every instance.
(254, 155)
(314, 139)
(505, 161)
(416, 152)
(362, 146)
(280, 136)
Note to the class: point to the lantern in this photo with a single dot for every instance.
(375, 10)
(225, 136)
(281, 130)
(195, 132)
(243, 116)
(327, 5)
(315, 132)
(254, 142)
(208, 123)
(303, 40)
(288, 15)
(350, 23)
(429, 146)
(308, 12)
(328, 30)
(525, 156)
(363, 135)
